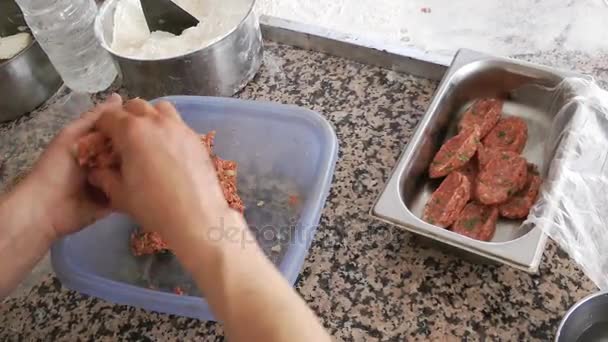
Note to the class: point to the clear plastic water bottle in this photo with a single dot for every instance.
(65, 31)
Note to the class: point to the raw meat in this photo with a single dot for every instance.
(448, 200)
(503, 175)
(484, 114)
(518, 206)
(95, 151)
(477, 221)
(510, 134)
(455, 153)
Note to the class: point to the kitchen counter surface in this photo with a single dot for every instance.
(366, 280)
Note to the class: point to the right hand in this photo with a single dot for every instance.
(166, 180)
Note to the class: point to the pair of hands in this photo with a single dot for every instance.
(165, 176)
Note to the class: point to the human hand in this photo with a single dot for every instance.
(165, 176)
(67, 202)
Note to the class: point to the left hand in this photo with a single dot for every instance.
(58, 185)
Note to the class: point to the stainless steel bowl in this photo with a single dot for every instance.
(586, 321)
(28, 79)
(220, 69)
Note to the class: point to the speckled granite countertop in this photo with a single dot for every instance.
(366, 280)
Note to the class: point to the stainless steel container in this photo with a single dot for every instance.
(473, 75)
(586, 321)
(28, 79)
(220, 69)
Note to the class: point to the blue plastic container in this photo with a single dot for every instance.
(286, 157)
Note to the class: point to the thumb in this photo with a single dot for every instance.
(108, 181)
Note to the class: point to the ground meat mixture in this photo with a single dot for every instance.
(95, 151)
(226, 173)
(144, 243)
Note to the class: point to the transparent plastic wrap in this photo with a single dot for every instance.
(572, 207)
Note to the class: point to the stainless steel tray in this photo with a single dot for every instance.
(473, 75)
(470, 75)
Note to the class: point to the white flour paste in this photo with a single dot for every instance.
(10, 46)
(131, 37)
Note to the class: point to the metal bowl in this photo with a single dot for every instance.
(586, 321)
(28, 79)
(219, 69)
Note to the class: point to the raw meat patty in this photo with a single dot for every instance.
(518, 206)
(447, 201)
(477, 221)
(484, 114)
(503, 175)
(454, 153)
(509, 134)
(471, 171)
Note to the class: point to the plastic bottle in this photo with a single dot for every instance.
(65, 31)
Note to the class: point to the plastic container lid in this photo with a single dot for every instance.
(286, 157)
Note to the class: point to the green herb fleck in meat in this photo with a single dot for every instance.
(450, 154)
(469, 224)
(505, 157)
(474, 110)
(437, 201)
(462, 157)
(502, 134)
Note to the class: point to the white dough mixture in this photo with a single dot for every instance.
(131, 37)
(11, 46)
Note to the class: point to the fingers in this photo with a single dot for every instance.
(113, 101)
(108, 181)
(111, 122)
(86, 122)
(165, 108)
(140, 107)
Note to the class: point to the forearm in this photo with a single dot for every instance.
(23, 240)
(245, 290)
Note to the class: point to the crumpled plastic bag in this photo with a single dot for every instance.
(572, 207)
